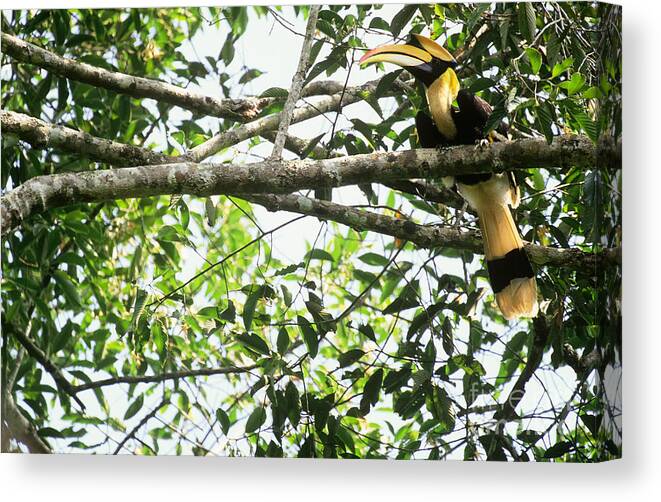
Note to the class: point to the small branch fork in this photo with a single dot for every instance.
(297, 84)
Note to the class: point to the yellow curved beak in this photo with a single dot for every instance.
(402, 55)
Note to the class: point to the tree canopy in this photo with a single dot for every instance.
(171, 285)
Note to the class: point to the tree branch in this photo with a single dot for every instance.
(256, 127)
(40, 134)
(174, 375)
(42, 193)
(428, 236)
(138, 87)
(19, 427)
(48, 365)
(297, 84)
(422, 189)
(240, 110)
(142, 422)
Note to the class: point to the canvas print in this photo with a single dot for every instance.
(320, 231)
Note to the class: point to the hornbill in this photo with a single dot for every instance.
(490, 195)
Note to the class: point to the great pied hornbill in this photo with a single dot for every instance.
(490, 195)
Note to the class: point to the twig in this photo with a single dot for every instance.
(256, 127)
(223, 260)
(535, 354)
(297, 84)
(174, 375)
(142, 422)
(48, 365)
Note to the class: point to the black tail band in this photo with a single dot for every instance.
(514, 265)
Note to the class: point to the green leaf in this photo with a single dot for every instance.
(448, 336)
(169, 233)
(275, 92)
(408, 403)
(385, 84)
(492, 444)
(256, 420)
(379, 24)
(592, 93)
(210, 210)
(223, 420)
(254, 294)
(401, 19)
(371, 391)
(350, 357)
(135, 407)
(288, 269)
(283, 341)
(311, 145)
(441, 407)
(293, 403)
(560, 68)
(407, 299)
(592, 422)
(558, 449)
(366, 330)
(138, 306)
(498, 113)
(574, 84)
(69, 291)
(250, 75)
(229, 314)
(535, 58)
(425, 318)
(374, 259)
(481, 84)
(255, 342)
(319, 254)
(527, 20)
(286, 295)
(529, 436)
(544, 113)
(227, 51)
(309, 336)
(46, 432)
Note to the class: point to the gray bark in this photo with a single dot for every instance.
(297, 84)
(138, 87)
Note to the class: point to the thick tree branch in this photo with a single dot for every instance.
(19, 428)
(240, 110)
(47, 192)
(297, 83)
(428, 236)
(138, 87)
(40, 134)
(419, 188)
(174, 375)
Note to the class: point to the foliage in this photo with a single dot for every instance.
(367, 347)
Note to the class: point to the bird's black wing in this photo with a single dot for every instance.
(428, 135)
(474, 112)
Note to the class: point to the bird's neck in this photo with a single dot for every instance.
(440, 96)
